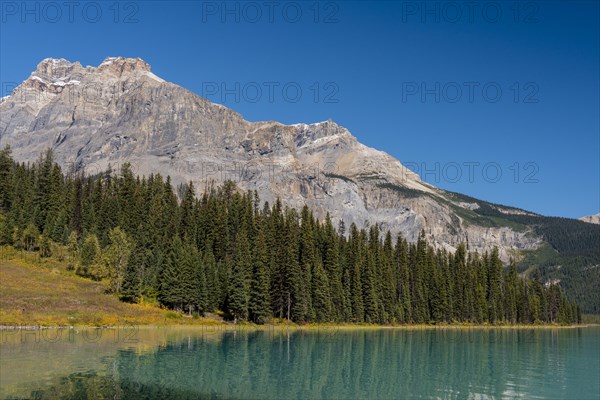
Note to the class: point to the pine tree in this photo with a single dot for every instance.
(73, 251)
(55, 203)
(6, 187)
(539, 308)
(371, 295)
(308, 256)
(41, 198)
(297, 307)
(438, 301)
(90, 256)
(403, 286)
(259, 290)
(211, 275)
(460, 283)
(223, 252)
(321, 295)
(278, 273)
(331, 263)
(495, 313)
(420, 310)
(193, 281)
(187, 211)
(511, 294)
(171, 293)
(388, 281)
(356, 261)
(76, 207)
(131, 285)
(237, 298)
(201, 295)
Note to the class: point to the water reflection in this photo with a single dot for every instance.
(209, 363)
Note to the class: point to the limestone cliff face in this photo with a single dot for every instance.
(121, 112)
(591, 219)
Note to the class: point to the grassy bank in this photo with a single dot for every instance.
(40, 292)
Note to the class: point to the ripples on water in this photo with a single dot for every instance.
(182, 363)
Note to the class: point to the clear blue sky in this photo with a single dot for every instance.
(375, 68)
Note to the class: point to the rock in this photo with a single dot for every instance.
(121, 112)
(592, 219)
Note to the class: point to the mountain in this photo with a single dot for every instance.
(96, 117)
(120, 111)
(591, 219)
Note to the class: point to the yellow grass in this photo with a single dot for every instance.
(41, 292)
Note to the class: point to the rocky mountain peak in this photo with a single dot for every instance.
(119, 111)
(57, 70)
(311, 133)
(591, 219)
(124, 65)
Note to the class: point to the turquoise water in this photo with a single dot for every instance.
(178, 363)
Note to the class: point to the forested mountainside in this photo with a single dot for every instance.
(227, 251)
(120, 112)
(570, 255)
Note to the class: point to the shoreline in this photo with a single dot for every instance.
(295, 327)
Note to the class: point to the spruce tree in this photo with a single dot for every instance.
(371, 295)
(307, 256)
(131, 285)
(171, 293)
(356, 265)
(260, 301)
(403, 285)
(223, 252)
(388, 280)
(495, 313)
(419, 293)
(90, 255)
(331, 263)
(211, 275)
(297, 307)
(6, 182)
(321, 295)
(511, 293)
(237, 298)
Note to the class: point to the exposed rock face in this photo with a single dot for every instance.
(121, 112)
(592, 219)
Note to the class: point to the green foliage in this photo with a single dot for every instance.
(259, 289)
(90, 263)
(131, 287)
(336, 176)
(45, 250)
(6, 181)
(171, 285)
(321, 294)
(73, 251)
(116, 258)
(237, 297)
(404, 191)
(30, 238)
(224, 252)
(570, 255)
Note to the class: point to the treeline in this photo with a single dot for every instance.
(575, 256)
(568, 236)
(225, 251)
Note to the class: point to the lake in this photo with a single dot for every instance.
(320, 363)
